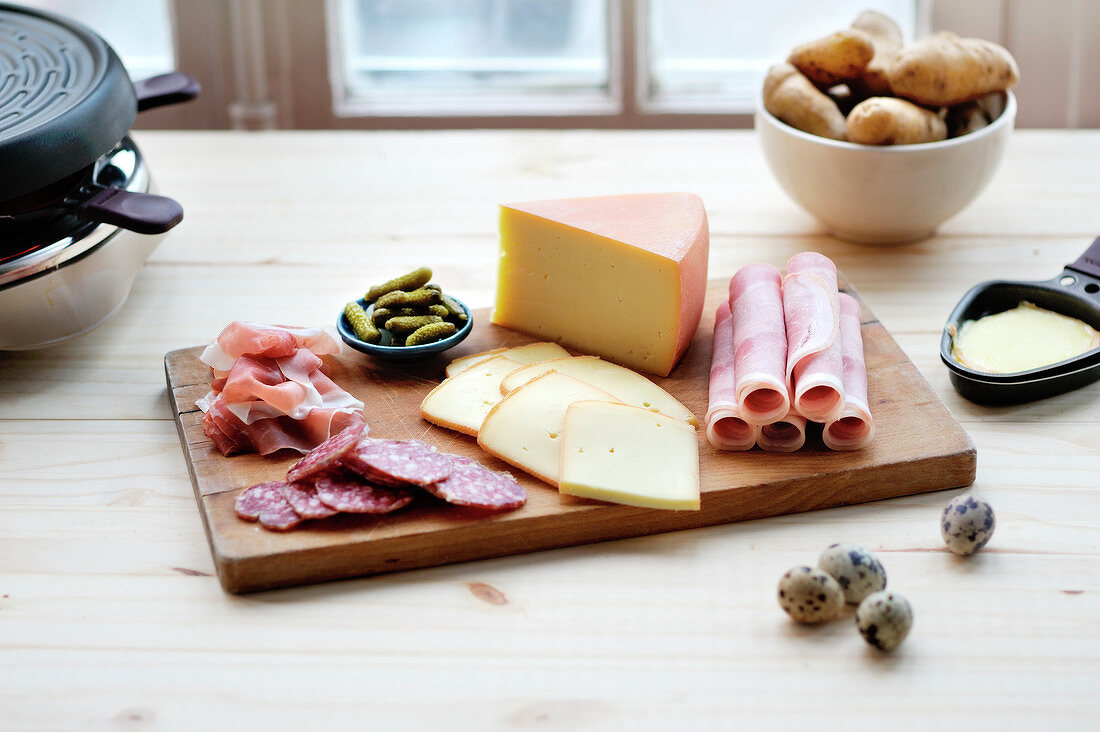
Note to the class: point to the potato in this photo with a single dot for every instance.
(838, 57)
(893, 121)
(792, 98)
(844, 97)
(944, 69)
(962, 119)
(992, 104)
(887, 40)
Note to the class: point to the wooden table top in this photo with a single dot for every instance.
(110, 616)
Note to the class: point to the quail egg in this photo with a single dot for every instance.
(967, 524)
(884, 619)
(858, 571)
(810, 595)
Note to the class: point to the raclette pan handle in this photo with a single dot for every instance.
(171, 88)
(145, 213)
(1089, 262)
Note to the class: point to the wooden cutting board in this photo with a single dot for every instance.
(918, 447)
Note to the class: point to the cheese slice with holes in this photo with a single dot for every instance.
(621, 277)
(530, 353)
(462, 401)
(624, 454)
(524, 429)
(628, 387)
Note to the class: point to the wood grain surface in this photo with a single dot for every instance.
(112, 616)
(918, 447)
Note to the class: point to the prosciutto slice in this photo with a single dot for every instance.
(812, 317)
(783, 435)
(853, 428)
(759, 343)
(241, 338)
(270, 391)
(726, 429)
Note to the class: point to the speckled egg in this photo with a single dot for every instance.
(857, 570)
(884, 619)
(810, 595)
(967, 524)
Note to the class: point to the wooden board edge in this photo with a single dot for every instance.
(241, 575)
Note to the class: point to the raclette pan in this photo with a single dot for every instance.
(1075, 292)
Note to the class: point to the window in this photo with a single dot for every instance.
(711, 56)
(471, 56)
(604, 62)
(140, 31)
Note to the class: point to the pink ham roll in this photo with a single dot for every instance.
(811, 312)
(759, 343)
(726, 430)
(783, 435)
(853, 428)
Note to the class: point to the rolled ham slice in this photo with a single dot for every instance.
(811, 312)
(853, 428)
(759, 343)
(726, 429)
(783, 435)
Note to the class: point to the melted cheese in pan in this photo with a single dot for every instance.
(1024, 338)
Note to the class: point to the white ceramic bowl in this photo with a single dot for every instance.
(873, 194)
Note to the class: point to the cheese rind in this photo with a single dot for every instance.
(622, 277)
(529, 353)
(624, 454)
(464, 362)
(628, 387)
(525, 428)
(461, 402)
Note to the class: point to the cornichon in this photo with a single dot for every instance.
(412, 281)
(430, 333)
(364, 329)
(405, 324)
(452, 307)
(381, 315)
(414, 298)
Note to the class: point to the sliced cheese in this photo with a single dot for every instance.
(462, 401)
(524, 429)
(629, 387)
(530, 353)
(622, 277)
(623, 454)
(464, 362)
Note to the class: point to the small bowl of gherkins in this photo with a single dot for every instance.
(405, 319)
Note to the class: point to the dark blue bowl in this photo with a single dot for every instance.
(402, 353)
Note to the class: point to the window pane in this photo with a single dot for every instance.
(713, 56)
(139, 30)
(473, 56)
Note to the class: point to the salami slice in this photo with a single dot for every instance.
(396, 463)
(326, 455)
(267, 503)
(472, 484)
(348, 493)
(303, 498)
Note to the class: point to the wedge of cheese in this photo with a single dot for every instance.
(462, 401)
(628, 387)
(525, 428)
(529, 353)
(624, 454)
(621, 277)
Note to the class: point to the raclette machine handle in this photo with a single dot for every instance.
(145, 213)
(171, 88)
(1089, 262)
